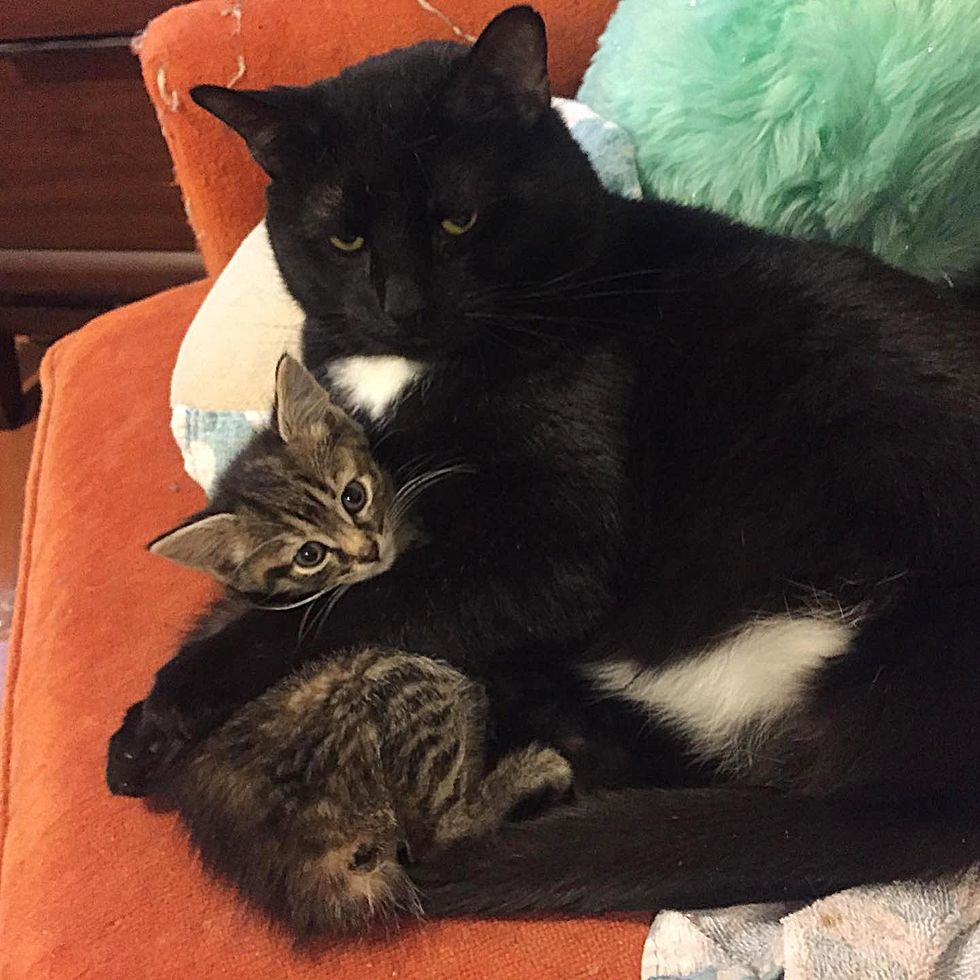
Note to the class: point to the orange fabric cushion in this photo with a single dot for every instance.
(98, 887)
(264, 42)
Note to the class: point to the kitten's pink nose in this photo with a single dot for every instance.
(367, 552)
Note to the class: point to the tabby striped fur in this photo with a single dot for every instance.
(310, 798)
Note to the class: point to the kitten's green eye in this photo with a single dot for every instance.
(347, 244)
(354, 497)
(310, 554)
(458, 225)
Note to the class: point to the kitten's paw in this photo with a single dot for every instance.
(552, 770)
(547, 781)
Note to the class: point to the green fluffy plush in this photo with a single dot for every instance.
(851, 120)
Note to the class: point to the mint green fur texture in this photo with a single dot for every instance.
(856, 121)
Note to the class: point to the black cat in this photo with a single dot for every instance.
(733, 477)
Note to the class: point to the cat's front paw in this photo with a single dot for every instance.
(136, 752)
(186, 705)
(165, 712)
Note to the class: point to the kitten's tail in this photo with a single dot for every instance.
(649, 849)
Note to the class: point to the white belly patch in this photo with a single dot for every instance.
(374, 384)
(743, 683)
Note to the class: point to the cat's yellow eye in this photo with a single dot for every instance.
(458, 225)
(347, 244)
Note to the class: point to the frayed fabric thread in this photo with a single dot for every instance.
(169, 98)
(459, 32)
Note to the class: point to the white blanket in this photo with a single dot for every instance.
(904, 931)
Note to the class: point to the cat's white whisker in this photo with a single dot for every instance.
(293, 605)
(324, 614)
(408, 493)
(301, 633)
(424, 480)
(410, 902)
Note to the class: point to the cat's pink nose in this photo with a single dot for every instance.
(367, 552)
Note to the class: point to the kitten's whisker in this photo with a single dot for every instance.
(407, 488)
(411, 902)
(301, 632)
(413, 492)
(424, 479)
(324, 614)
(406, 495)
(380, 440)
(413, 467)
(307, 624)
(293, 605)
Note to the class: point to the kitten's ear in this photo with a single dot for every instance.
(207, 541)
(265, 120)
(513, 50)
(301, 402)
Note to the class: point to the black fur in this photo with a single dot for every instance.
(680, 424)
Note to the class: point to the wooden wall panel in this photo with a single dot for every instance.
(89, 216)
(82, 161)
(69, 18)
(91, 278)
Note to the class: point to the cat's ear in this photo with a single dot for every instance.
(512, 51)
(301, 402)
(207, 541)
(266, 120)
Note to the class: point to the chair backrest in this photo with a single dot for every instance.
(256, 43)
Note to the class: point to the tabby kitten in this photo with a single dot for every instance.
(310, 798)
(303, 509)
(307, 799)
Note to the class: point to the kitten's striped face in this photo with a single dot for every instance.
(315, 514)
(299, 514)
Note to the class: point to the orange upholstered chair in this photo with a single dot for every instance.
(103, 888)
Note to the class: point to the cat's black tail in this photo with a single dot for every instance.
(648, 849)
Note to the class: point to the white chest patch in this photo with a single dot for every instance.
(735, 688)
(374, 384)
